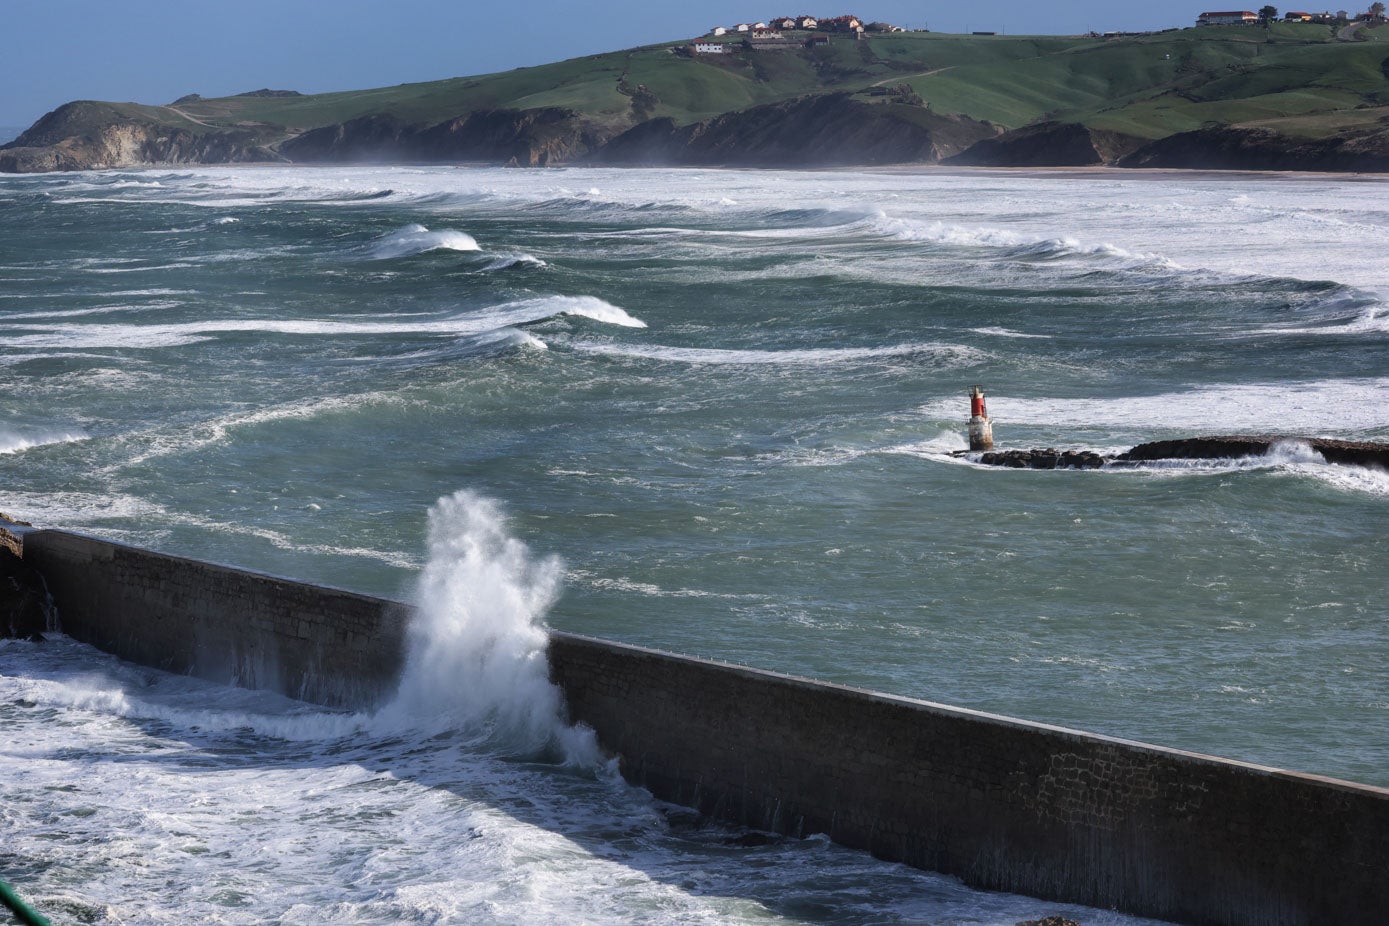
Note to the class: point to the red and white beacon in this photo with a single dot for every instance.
(981, 429)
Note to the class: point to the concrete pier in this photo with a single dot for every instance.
(1004, 804)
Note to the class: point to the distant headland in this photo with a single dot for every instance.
(1241, 91)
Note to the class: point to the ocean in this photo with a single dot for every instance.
(711, 412)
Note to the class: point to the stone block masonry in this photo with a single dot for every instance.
(1004, 804)
(220, 623)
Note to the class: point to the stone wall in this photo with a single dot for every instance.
(227, 625)
(1003, 804)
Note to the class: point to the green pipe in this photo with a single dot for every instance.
(22, 911)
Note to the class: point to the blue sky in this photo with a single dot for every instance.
(153, 51)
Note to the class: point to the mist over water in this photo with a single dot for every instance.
(704, 411)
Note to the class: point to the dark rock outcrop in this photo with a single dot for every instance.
(1355, 453)
(1048, 144)
(23, 598)
(1231, 148)
(826, 130)
(1050, 921)
(375, 138)
(532, 137)
(267, 92)
(1050, 458)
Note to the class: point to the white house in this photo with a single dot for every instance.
(709, 48)
(718, 30)
(808, 22)
(743, 27)
(787, 23)
(1236, 18)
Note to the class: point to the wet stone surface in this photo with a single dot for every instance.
(1048, 458)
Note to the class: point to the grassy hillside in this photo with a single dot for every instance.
(1300, 80)
(687, 88)
(1149, 85)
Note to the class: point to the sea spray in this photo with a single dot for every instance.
(476, 662)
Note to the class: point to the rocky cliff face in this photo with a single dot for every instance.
(827, 130)
(1230, 148)
(530, 138)
(1048, 144)
(87, 136)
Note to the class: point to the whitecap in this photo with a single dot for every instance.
(509, 261)
(808, 357)
(184, 333)
(17, 441)
(416, 239)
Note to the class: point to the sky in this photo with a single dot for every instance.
(154, 51)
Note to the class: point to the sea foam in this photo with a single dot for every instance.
(416, 239)
(477, 642)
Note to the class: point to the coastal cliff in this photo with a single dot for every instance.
(828, 130)
(1048, 144)
(527, 138)
(88, 135)
(1237, 148)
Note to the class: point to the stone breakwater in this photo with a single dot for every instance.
(1003, 804)
(1355, 453)
(1342, 452)
(1050, 458)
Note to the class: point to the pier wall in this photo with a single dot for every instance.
(1002, 803)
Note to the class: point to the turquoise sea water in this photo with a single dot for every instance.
(726, 401)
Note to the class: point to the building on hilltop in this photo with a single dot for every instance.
(842, 24)
(709, 48)
(1236, 18)
(1294, 17)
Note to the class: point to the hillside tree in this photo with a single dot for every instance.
(1268, 14)
(1377, 9)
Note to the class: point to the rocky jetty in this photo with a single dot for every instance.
(1344, 452)
(1049, 458)
(1355, 453)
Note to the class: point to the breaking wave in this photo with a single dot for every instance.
(179, 334)
(12, 441)
(807, 357)
(416, 239)
(478, 639)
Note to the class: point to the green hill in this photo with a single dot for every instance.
(1297, 81)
